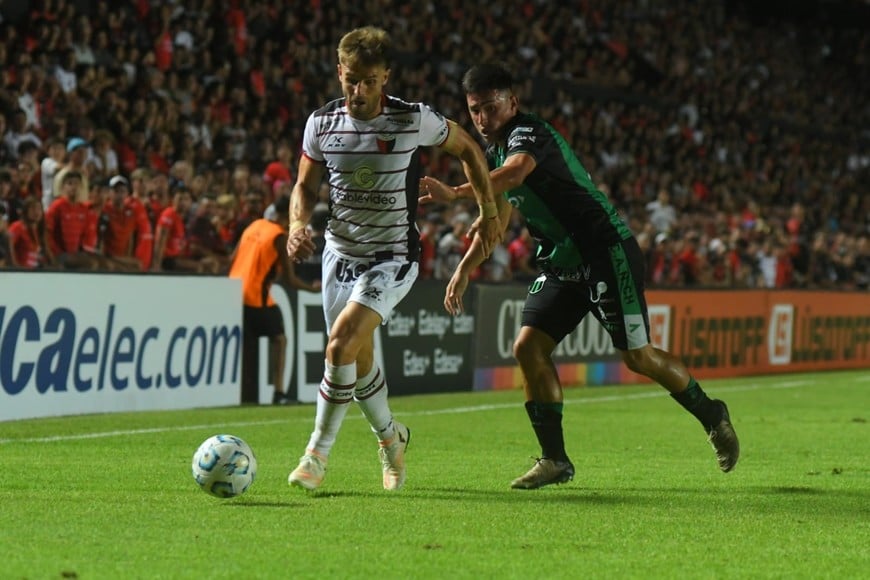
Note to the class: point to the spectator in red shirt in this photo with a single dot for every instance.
(688, 261)
(204, 240)
(139, 184)
(225, 220)
(279, 171)
(784, 267)
(124, 216)
(522, 250)
(27, 238)
(428, 247)
(252, 210)
(66, 223)
(159, 198)
(171, 243)
(92, 241)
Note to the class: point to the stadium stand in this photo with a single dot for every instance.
(732, 136)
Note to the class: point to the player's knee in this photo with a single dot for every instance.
(638, 360)
(341, 349)
(525, 350)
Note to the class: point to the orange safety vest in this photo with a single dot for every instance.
(256, 262)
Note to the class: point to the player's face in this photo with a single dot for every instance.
(490, 112)
(362, 88)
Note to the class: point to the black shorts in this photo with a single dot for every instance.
(610, 285)
(266, 321)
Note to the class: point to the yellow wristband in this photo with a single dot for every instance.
(297, 225)
(489, 210)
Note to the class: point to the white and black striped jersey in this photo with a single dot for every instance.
(373, 170)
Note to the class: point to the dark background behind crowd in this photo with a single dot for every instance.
(733, 137)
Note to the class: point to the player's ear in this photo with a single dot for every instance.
(338, 70)
(386, 76)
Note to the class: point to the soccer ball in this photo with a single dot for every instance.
(224, 466)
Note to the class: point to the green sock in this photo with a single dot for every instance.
(546, 420)
(696, 402)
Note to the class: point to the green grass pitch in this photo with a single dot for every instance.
(111, 496)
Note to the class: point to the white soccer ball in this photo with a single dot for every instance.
(224, 466)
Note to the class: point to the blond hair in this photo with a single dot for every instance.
(365, 47)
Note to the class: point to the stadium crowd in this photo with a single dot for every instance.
(144, 136)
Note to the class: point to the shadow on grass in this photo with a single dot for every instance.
(290, 503)
(551, 494)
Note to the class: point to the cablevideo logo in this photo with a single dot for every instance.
(65, 351)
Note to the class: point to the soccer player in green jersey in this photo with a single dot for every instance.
(590, 263)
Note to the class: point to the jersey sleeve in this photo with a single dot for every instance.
(529, 138)
(310, 142)
(433, 127)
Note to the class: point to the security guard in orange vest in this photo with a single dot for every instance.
(259, 260)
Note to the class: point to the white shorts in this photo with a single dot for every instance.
(376, 285)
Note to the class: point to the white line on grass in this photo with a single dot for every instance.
(448, 411)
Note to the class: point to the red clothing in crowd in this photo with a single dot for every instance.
(688, 265)
(163, 51)
(176, 239)
(520, 254)
(239, 25)
(784, 272)
(120, 227)
(144, 235)
(65, 224)
(91, 237)
(277, 171)
(428, 251)
(25, 244)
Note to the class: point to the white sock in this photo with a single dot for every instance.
(336, 393)
(371, 394)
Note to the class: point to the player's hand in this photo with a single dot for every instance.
(300, 246)
(432, 190)
(453, 295)
(490, 232)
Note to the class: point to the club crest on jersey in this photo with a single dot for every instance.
(386, 142)
(538, 284)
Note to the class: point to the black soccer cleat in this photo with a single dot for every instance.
(545, 472)
(281, 399)
(723, 438)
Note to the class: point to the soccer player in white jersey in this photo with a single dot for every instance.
(366, 144)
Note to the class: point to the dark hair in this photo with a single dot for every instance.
(491, 76)
(70, 176)
(282, 205)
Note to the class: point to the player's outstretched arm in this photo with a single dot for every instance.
(463, 146)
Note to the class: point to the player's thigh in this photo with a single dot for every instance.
(554, 306)
(384, 285)
(377, 286)
(616, 294)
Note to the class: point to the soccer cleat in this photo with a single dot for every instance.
(545, 472)
(310, 471)
(279, 398)
(392, 454)
(723, 438)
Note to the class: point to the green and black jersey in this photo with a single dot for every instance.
(563, 209)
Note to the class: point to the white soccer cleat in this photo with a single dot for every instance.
(392, 454)
(310, 471)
